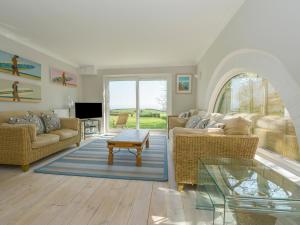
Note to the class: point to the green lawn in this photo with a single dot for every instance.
(149, 118)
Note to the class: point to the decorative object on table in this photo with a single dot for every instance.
(15, 91)
(18, 66)
(91, 161)
(63, 77)
(70, 104)
(184, 84)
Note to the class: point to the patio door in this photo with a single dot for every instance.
(136, 104)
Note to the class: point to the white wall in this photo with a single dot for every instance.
(53, 95)
(263, 37)
(92, 85)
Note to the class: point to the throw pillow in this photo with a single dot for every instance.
(202, 124)
(184, 115)
(214, 124)
(29, 119)
(40, 127)
(51, 121)
(193, 121)
(237, 126)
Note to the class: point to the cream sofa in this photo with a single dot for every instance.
(19, 144)
(188, 146)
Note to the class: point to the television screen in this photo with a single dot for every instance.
(84, 110)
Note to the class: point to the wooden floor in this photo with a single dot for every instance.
(42, 199)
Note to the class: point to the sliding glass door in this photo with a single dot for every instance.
(153, 104)
(122, 104)
(132, 104)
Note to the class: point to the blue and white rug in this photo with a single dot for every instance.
(91, 161)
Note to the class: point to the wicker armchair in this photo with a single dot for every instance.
(187, 149)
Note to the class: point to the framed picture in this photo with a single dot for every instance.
(19, 67)
(62, 77)
(184, 84)
(16, 91)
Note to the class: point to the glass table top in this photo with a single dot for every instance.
(245, 184)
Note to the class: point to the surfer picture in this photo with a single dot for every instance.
(14, 66)
(63, 78)
(15, 91)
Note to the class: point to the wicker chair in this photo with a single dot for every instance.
(122, 120)
(187, 149)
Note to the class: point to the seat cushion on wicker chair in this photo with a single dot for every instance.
(45, 139)
(65, 133)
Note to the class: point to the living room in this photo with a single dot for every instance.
(149, 112)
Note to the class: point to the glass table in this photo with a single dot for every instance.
(245, 192)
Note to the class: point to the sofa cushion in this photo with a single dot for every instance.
(193, 121)
(51, 121)
(44, 140)
(65, 133)
(29, 118)
(184, 115)
(237, 126)
(202, 124)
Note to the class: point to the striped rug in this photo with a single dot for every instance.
(91, 161)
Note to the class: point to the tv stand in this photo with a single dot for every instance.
(90, 127)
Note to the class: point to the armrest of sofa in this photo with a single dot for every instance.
(15, 144)
(30, 127)
(175, 121)
(70, 123)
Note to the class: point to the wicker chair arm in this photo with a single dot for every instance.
(15, 143)
(175, 121)
(70, 123)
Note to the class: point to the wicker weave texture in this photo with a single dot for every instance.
(188, 149)
(16, 144)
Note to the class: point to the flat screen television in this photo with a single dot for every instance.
(85, 110)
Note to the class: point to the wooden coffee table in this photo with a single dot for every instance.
(129, 139)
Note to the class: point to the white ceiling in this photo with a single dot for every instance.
(118, 33)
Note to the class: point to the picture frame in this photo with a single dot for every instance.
(63, 78)
(19, 67)
(184, 83)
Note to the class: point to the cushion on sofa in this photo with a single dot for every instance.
(51, 121)
(45, 139)
(237, 126)
(202, 124)
(29, 118)
(193, 121)
(184, 115)
(65, 133)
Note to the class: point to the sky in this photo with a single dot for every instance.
(122, 94)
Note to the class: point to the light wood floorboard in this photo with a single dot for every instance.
(43, 199)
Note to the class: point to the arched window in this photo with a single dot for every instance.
(254, 98)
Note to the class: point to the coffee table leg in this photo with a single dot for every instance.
(110, 155)
(147, 143)
(139, 156)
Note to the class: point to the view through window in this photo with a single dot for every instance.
(140, 104)
(254, 98)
